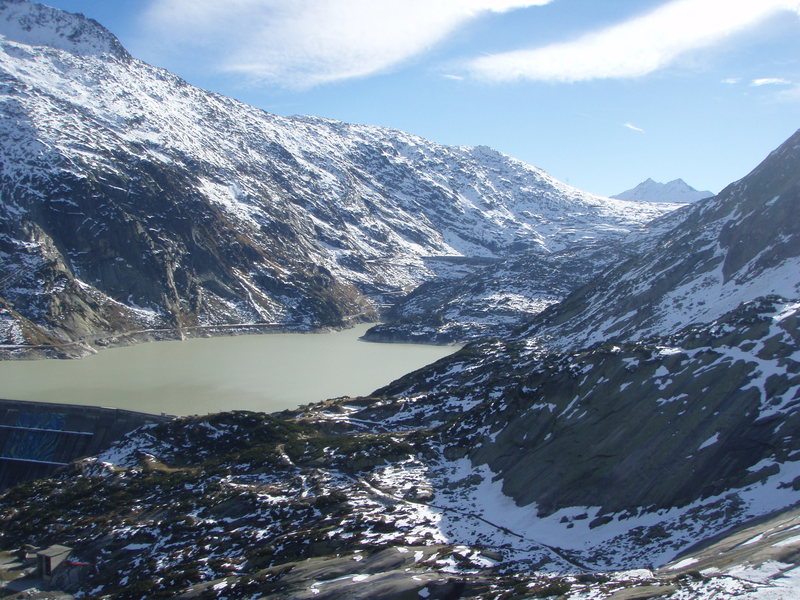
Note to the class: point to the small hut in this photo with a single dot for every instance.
(50, 558)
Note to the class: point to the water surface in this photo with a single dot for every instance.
(252, 372)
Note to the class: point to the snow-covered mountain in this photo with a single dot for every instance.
(37, 25)
(653, 397)
(636, 440)
(676, 190)
(504, 295)
(515, 468)
(742, 244)
(132, 200)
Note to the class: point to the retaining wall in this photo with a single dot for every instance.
(37, 438)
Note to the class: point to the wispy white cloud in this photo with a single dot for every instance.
(790, 95)
(452, 76)
(633, 127)
(770, 81)
(732, 80)
(303, 43)
(635, 47)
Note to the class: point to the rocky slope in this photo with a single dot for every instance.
(661, 423)
(736, 247)
(132, 200)
(495, 299)
(506, 294)
(485, 474)
(556, 477)
(676, 190)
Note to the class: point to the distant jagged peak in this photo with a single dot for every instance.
(676, 190)
(39, 25)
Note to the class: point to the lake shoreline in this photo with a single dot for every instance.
(91, 345)
(211, 370)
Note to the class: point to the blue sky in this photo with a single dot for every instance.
(600, 93)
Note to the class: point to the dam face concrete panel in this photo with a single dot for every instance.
(37, 438)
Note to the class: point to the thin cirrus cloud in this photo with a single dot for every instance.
(633, 127)
(303, 43)
(633, 48)
(770, 81)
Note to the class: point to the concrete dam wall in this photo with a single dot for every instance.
(37, 438)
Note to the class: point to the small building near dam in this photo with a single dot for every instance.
(37, 438)
(50, 558)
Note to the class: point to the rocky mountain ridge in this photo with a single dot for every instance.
(635, 440)
(134, 201)
(506, 294)
(738, 246)
(514, 468)
(39, 25)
